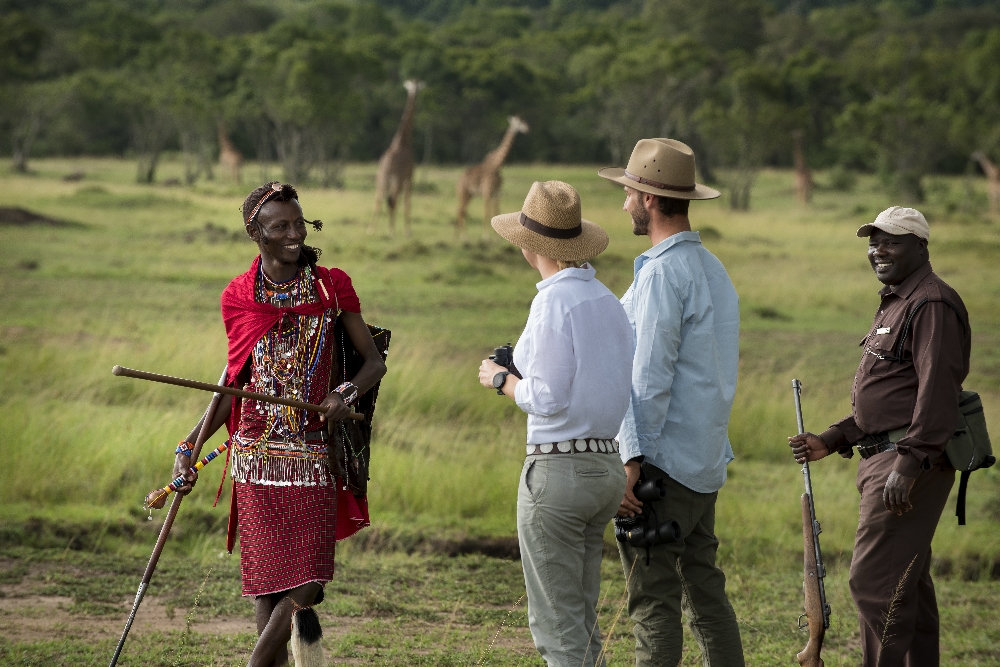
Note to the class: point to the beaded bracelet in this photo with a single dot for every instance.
(184, 448)
(348, 391)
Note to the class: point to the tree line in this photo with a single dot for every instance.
(902, 88)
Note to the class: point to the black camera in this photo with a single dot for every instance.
(646, 530)
(504, 356)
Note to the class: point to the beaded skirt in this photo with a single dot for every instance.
(287, 535)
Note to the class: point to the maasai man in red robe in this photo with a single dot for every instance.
(289, 506)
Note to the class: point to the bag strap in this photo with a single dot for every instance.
(963, 484)
(909, 323)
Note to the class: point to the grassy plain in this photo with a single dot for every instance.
(136, 283)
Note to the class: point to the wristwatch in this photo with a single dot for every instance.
(498, 381)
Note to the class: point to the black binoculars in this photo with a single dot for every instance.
(646, 530)
(635, 530)
(504, 356)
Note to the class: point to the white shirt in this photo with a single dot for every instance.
(576, 357)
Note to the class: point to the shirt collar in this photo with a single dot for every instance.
(663, 246)
(904, 289)
(586, 272)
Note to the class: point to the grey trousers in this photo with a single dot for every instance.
(564, 503)
(681, 572)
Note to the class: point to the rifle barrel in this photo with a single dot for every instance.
(220, 389)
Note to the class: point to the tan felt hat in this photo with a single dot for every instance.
(550, 224)
(662, 167)
(899, 220)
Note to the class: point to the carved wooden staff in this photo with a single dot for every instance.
(218, 390)
(206, 426)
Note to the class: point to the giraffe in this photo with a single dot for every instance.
(803, 177)
(229, 157)
(484, 178)
(992, 172)
(395, 167)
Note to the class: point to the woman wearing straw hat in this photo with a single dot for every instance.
(576, 357)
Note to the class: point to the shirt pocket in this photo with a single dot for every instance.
(879, 353)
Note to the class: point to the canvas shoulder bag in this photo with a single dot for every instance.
(970, 448)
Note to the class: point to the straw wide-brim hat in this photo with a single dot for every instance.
(551, 225)
(663, 167)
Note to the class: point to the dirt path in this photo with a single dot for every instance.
(39, 617)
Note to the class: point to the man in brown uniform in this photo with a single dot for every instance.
(905, 409)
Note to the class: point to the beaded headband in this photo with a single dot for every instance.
(275, 189)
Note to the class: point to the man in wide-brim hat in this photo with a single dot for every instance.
(684, 312)
(576, 358)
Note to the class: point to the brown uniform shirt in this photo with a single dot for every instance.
(910, 375)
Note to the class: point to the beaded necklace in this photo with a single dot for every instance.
(288, 355)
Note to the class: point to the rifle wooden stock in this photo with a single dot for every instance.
(217, 388)
(809, 656)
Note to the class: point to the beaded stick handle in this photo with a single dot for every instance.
(157, 498)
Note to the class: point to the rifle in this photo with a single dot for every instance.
(814, 572)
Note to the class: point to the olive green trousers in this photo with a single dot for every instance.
(680, 575)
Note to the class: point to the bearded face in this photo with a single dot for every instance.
(640, 216)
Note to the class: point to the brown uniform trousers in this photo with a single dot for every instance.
(895, 551)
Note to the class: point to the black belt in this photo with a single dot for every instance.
(876, 443)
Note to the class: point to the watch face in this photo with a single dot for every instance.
(499, 379)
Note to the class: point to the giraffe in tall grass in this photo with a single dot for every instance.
(395, 168)
(484, 179)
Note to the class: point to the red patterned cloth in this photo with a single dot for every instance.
(279, 508)
(287, 536)
(247, 320)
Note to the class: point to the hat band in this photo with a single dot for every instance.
(657, 184)
(550, 232)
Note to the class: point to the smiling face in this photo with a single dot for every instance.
(282, 231)
(894, 257)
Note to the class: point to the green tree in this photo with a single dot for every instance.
(745, 124)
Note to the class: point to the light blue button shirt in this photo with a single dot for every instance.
(685, 315)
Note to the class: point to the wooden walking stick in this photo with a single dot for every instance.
(219, 389)
(203, 433)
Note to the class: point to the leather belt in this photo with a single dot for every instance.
(876, 443)
(578, 446)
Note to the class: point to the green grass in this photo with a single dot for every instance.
(137, 283)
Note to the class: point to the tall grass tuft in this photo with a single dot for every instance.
(889, 615)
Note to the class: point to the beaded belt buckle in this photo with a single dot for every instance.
(574, 446)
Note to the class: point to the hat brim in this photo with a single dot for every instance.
(591, 242)
(866, 230)
(617, 174)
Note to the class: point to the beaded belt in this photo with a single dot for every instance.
(571, 446)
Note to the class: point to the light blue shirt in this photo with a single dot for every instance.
(685, 315)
